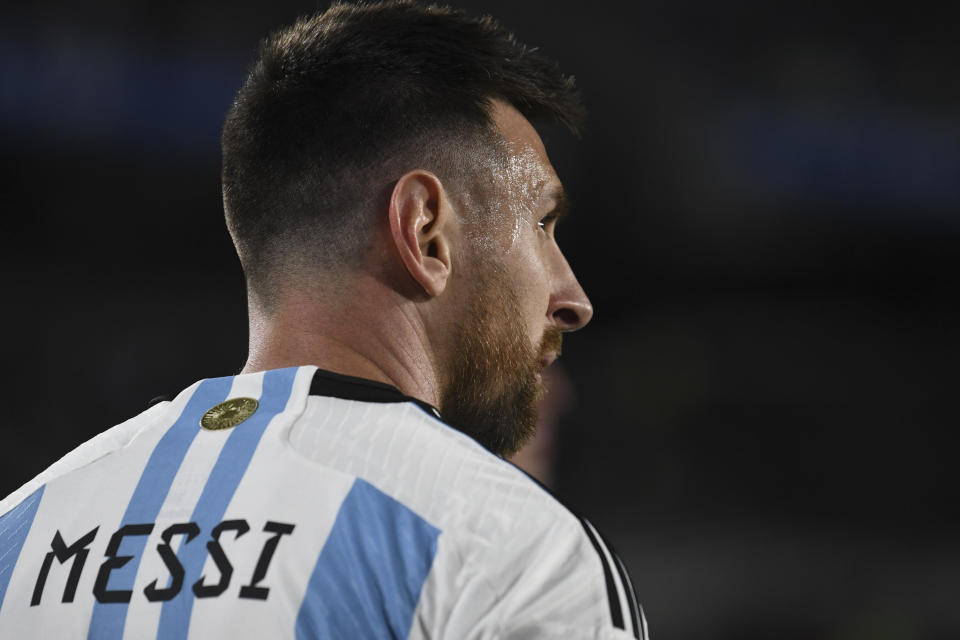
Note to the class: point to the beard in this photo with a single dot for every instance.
(491, 387)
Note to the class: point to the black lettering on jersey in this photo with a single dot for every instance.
(202, 590)
(251, 590)
(169, 557)
(59, 550)
(114, 561)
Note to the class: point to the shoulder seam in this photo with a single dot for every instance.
(46, 476)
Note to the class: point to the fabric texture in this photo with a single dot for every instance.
(338, 508)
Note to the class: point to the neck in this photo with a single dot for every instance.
(353, 335)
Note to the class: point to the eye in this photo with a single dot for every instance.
(547, 223)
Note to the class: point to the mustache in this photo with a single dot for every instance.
(552, 341)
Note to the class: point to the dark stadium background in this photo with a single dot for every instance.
(766, 206)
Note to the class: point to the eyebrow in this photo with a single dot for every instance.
(562, 207)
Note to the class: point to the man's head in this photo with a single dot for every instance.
(389, 136)
(522, 296)
(341, 104)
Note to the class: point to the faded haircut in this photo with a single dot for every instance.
(339, 105)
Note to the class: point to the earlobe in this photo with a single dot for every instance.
(420, 225)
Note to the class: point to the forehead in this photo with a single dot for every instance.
(528, 156)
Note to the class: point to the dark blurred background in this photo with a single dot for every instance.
(766, 205)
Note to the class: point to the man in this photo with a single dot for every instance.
(394, 213)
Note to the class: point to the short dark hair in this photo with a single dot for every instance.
(339, 105)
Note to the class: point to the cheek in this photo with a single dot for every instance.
(532, 285)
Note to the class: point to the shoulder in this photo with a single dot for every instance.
(101, 445)
(519, 552)
(142, 431)
(442, 474)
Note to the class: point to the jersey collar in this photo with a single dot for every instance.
(338, 385)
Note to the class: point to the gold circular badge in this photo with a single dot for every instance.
(229, 413)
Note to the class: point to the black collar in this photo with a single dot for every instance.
(337, 385)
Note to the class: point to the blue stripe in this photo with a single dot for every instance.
(368, 578)
(109, 617)
(14, 527)
(221, 485)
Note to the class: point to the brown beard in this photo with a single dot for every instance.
(491, 388)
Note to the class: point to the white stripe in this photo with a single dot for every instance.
(105, 442)
(143, 616)
(280, 485)
(81, 473)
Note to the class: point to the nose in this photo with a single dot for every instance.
(569, 309)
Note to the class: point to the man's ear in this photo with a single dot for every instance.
(421, 221)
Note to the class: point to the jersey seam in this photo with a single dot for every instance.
(567, 523)
(35, 483)
(469, 564)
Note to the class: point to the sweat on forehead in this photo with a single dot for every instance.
(525, 163)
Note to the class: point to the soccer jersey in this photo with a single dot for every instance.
(298, 503)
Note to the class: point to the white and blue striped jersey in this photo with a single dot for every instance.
(337, 508)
